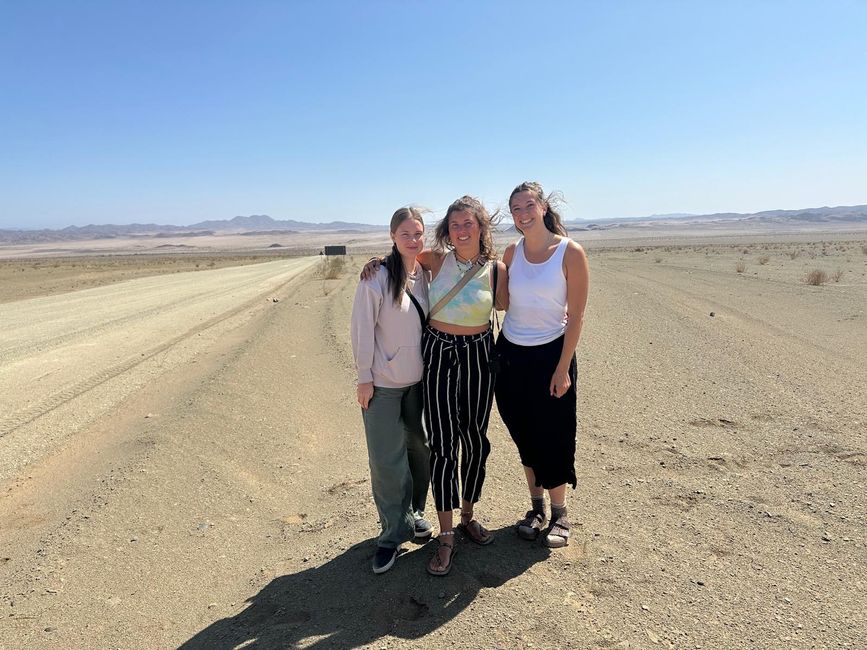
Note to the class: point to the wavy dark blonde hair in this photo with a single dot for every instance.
(442, 241)
(552, 219)
(393, 262)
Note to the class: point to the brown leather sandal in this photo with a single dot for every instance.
(436, 566)
(474, 530)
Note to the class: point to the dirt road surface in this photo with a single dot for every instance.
(183, 465)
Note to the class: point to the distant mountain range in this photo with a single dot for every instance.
(261, 224)
(855, 214)
(254, 224)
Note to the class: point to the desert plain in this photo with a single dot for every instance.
(182, 461)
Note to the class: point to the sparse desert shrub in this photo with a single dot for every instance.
(657, 260)
(745, 251)
(816, 277)
(332, 266)
(740, 267)
(764, 259)
(864, 249)
(836, 275)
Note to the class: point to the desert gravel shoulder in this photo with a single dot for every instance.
(720, 504)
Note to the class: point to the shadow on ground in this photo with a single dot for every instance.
(342, 604)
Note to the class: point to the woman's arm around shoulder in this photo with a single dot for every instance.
(431, 260)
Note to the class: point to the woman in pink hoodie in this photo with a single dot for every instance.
(388, 315)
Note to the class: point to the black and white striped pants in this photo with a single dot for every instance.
(458, 393)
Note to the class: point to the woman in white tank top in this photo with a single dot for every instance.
(535, 391)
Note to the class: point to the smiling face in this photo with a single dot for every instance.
(527, 210)
(409, 237)
(464, 233)
(466, 228)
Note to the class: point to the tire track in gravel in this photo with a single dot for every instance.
(676, 294)
(46, 404)
(25, 348)
(748, 351)
(815, 347)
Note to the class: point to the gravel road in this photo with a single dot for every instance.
(186, 467)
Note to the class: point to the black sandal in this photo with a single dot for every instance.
(531, 525)
(558, 534)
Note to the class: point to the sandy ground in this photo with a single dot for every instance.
(182, 464)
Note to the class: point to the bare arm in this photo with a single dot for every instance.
(509, 254)
(431, 260)
(503, 281)
(501, 300)
(369, 270)
(577, 272)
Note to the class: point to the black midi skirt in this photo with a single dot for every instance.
(543, 426)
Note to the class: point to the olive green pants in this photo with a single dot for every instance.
(399, 456)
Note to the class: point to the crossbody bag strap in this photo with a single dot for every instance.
(460, 285)
(495, 317)
(417, 307)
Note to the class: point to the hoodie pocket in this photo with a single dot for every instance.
(405, 367)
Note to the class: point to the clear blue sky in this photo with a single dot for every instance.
(175, 112)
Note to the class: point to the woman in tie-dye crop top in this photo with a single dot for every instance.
(458, 383)
(457, 380)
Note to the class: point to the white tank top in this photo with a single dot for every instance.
(537, 298)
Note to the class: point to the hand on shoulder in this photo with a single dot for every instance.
(369, 271)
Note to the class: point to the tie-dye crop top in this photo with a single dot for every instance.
(471, 306)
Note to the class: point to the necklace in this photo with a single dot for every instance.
(464, 265)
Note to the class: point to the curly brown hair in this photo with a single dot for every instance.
(442, 241)
(552, 219)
